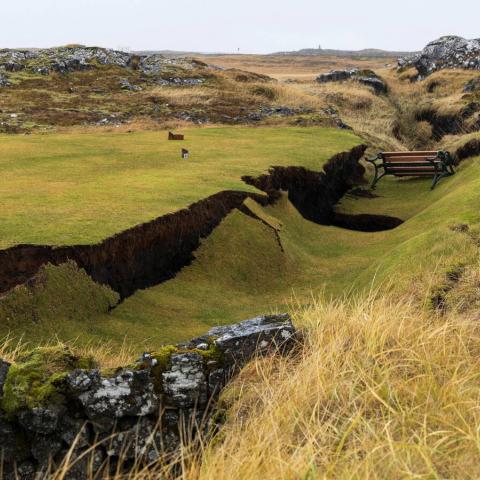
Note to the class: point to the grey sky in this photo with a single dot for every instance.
(254, 26)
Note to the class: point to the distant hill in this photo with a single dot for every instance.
(172, 53)
(367, 52)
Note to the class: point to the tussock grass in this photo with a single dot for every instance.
(380, 390)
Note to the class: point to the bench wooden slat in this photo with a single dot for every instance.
(417, 163)
(413, 174)
(410, 154)
(408, 169)
(408, 164)
(409, 159)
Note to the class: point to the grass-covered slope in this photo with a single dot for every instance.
(248, 267)
(56, 302)
(81, 188)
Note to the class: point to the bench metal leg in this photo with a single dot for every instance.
(438, 177)
(377, 177)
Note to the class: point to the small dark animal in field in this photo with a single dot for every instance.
(185, 153)
(172, 136)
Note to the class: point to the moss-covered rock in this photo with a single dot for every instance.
(35, 379)
(211, 354)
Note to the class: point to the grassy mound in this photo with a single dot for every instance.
(57, 301)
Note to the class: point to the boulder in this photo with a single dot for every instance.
(126, 85)
(472, 85)
(185, 383)
(132, 414)
(179, 82)
(446, 52)
(4, 82)
(336, 75)
(40, 420)
(241, 341)
(366, 77)
(128, 393)
(378, 85)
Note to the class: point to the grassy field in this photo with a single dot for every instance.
(296, 67)
(64, 189)
(247, 267)
(385, 384)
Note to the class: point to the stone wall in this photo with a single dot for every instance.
(53, 402)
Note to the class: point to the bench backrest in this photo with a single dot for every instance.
(406, 157)
(410, 163)
(173, 136)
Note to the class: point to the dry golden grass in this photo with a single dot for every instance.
(183, 96)
(371, 116)
(295, 67)
(380, 390)
(106, 354)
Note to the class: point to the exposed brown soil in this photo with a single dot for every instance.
(140, 257)
(366, 222)
(469, 149)
(314, 194)
(449, 124)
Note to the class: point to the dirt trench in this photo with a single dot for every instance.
(153, 252)
(137, 258)
(314, 194)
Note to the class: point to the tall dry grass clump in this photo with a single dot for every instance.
(381, 390)
(378, 388)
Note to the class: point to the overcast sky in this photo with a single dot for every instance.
(253, 26)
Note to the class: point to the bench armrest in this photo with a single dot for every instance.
(374, 159)
(446, 157)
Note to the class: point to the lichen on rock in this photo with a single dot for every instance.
(53, 399)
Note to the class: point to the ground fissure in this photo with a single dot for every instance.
(151, 253)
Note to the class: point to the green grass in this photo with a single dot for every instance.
(247, 267)
(241, 270)
(64, 189)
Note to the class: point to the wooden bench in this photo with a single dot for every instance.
(413, 164)
(172, 136)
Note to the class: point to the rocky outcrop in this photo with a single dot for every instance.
(336, 76)
(4, 82)
(472, 85)
(366, 77)
(446, 52)
(277, 111)
(77, 58)
(375, 82)
(126, 85)
(179, 82)
(55, 404)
